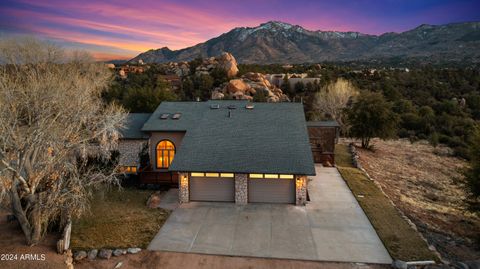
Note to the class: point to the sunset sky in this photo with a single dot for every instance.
(118, 29)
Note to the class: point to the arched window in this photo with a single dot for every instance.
(165, 153)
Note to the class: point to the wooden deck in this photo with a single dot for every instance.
(158, 178)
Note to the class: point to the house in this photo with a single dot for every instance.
(323, 137)
(224, 150)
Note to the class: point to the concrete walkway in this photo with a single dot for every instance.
(332, 227)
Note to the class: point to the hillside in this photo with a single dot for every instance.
(425, 184)
(278, 42)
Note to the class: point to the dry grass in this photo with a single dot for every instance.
(118, 219)
(426, 184)
(400, 239)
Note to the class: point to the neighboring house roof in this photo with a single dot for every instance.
(270, 138)
(133, 126)
(330, 123)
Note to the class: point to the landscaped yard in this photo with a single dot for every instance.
(118, 219)
(400, 239)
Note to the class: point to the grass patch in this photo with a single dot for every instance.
(118, 219)
(400, 239)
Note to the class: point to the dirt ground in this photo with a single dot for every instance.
(174, 260)
(14, 254)
(426, 184)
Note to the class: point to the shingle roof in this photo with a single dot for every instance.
(330, 123)
(271, 138)
(133, 126)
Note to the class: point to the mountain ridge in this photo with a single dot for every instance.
(279, 42)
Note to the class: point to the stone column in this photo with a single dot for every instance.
(241, 189)
(300, 190)
(183, 193)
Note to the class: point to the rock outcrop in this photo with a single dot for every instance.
(248, 86)
(225, 61)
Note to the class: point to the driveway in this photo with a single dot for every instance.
(332, 227)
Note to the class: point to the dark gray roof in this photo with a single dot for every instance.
(271, 138)
(191, 114)
(133, 126)
(330, 123)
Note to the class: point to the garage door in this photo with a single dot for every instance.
(264, 190)
(218, 189)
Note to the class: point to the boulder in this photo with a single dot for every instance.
(237, 85)
(118, 252)
(133, 250)
(217, 95)
(154, 200)
(228, 63)
(79, 255)
(92, 254)
(398, 264)
(105, 253)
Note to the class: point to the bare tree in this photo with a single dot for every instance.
(330, 101)
(52, 123)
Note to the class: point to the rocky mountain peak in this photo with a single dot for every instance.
(280, 42)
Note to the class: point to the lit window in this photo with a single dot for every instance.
(165, 153)
(286, 176)
(271, 176)
(127, 169)
(226, 175)
(256, 175)
(211, 174)
(198, 174)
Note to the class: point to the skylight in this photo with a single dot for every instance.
(176, 116)
(164, 116)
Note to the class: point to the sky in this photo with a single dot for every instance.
(120, 29)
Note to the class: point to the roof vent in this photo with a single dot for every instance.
(176, 116)
(214, 106)
(232, 107)
(249, 106)
(164, 116)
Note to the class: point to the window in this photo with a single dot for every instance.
(127, 169)
(211, 174)
(165, 153)
(197, 174)
(270, 176)
(226, 175)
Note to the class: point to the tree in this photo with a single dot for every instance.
(371, 116)
(204, 86)
(53, 123)
(299, 87)
(472, 173)
(332, 99)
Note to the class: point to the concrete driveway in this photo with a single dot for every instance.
(332, 227)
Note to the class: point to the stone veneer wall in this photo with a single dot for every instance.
(241, 189)
(129, 150)
(183, 193)
(300, 190)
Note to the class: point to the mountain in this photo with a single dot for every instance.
(278, 42)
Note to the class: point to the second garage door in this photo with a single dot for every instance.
(263, 190)
(216, 189)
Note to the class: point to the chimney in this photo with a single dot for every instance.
(198, 99)
(229, 113)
